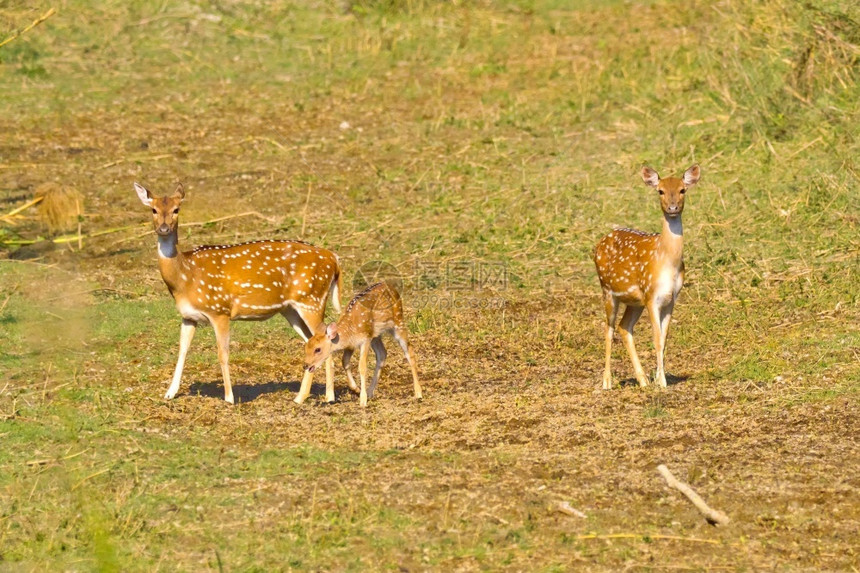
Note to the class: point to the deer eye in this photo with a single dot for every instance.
(661, 192)
(316, 350)
(176, 211)
(154, 212)
(683, 191)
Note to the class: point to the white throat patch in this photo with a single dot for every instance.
(166, 247)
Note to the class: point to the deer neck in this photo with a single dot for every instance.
(171, 262)
(347, 338)
(672, 240)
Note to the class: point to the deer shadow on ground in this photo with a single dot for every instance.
(121, 251)
(244, 393)
(671, 380)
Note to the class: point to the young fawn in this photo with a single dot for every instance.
(371, 313)
(645, 270)
(251, 281)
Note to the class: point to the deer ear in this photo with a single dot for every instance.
(691, 175)
(331, 331)
(650, 177)
(143, 194)
(180, 191)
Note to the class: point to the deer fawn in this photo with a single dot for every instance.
(645, 270)
(251, 281)
(371, 313)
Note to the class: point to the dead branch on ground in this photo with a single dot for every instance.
(35, 23)
(713, 516)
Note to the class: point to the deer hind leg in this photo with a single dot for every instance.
(610, 306)
(380, 353)
(402, 338)
(362, 372)
(222, 338)
(186, 334)
(347, 356)
(628, 321)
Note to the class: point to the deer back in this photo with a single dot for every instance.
(375, 310)
(258, 279)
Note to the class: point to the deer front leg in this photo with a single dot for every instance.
(222, 338)
(329, 380)
(665, 319)
(362, 372)
(347, 356)
(186, 334)
(655, 313)
(305, 389)
(304, 326)
(610, 306)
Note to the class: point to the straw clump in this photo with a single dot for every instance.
(59, 208)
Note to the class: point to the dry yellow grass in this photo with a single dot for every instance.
(60, 207)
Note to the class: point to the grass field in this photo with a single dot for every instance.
(481, 149)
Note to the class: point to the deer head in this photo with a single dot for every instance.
(671, 189)
(165, 210)
(320, 346)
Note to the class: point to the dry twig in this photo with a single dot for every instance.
(65, 238)
(305, 210)
(712, 516)
(645, 536)
(35, 23)
(565, 508)
(91, 476)
(10, 216)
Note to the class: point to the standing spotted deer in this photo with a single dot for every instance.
(371, 313)
(645, 270)
(250, 281)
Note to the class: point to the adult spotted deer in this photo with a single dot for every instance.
(250, 281)
(645, 270)
(371, 313)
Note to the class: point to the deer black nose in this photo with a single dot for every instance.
(163, 229)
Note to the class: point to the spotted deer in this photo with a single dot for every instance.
(645, 270)
(251, 281)
(371, 313)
